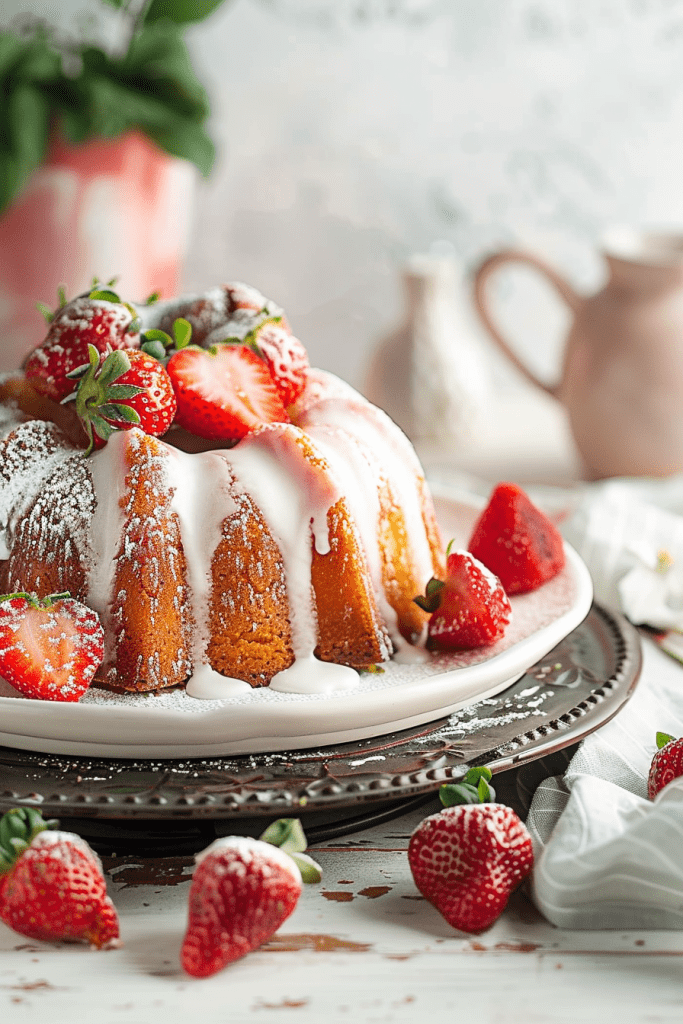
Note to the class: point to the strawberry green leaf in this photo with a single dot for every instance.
(311, 871)
(182, 332)
(119, 413)
(663, 738)
(151, 299)
(45, 311)
(287, 834)
(157, 335)
(155, 349)
(105, 295)
(18, 828)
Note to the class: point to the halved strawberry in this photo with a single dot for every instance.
(98, 319)
(285, 357)
(469, 608)
(516, 541)
(223, 392)
(50, 648)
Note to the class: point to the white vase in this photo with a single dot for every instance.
(430, 374)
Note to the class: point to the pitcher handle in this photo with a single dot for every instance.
(489, 267)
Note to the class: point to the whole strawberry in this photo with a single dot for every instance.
(51, 883)
(241, 892)
(667, 764)
(516, 541)
(123, 390)
(467, 859)
(51, 647)
(99, 319)
(469, 608)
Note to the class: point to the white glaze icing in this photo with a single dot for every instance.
(207, 684)
(309, 675)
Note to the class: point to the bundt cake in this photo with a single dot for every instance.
(303, 543)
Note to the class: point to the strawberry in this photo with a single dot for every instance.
(51, 883)
(467, 859)
(50, 649)
(122, 390)
(667, 764)
(241, 892)
(516, 541)
(99, 319)
(223, 392)
(285, 357)
(469, 608)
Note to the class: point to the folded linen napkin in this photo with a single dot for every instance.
(606, 856)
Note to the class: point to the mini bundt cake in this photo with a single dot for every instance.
(305, 539)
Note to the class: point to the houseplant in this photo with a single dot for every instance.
(97, 144)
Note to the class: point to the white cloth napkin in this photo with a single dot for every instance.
(606, 856)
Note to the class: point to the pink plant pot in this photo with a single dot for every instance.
(118, 208)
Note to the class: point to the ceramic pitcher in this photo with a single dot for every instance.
(621, 380)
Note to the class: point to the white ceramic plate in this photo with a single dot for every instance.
(405, 695)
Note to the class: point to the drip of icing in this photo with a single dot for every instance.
(309, 675)
(108, 473)
(274, 471)
(207, 684)
(202, 500)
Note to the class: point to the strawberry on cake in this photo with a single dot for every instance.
(276, 535)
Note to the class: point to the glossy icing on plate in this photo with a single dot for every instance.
(409, 692)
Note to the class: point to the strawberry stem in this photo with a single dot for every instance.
(18, 828)
(289, 836)
(473, 789)
(663, 738)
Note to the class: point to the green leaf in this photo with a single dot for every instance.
(182, 332)
(118, 392)
(310, 869)
(156, 335)
(155, 349)
(180, 11)
(474, 788)
(188, 141)
(11, 49)
(452, 793)
(119, 413)
(113, 367)
(287, 834)
(104, 295)
(45, 312)
(663, 738)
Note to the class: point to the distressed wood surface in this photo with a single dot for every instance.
(362, 946)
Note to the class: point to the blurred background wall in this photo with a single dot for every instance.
(353, 133)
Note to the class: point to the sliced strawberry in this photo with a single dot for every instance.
(469, 608)
(51, 883)
(516, 541)
(286, 359)
(50, 649)
(87, 320)
(223, 392)
(123, 390)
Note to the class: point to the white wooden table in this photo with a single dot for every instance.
(363, 946)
